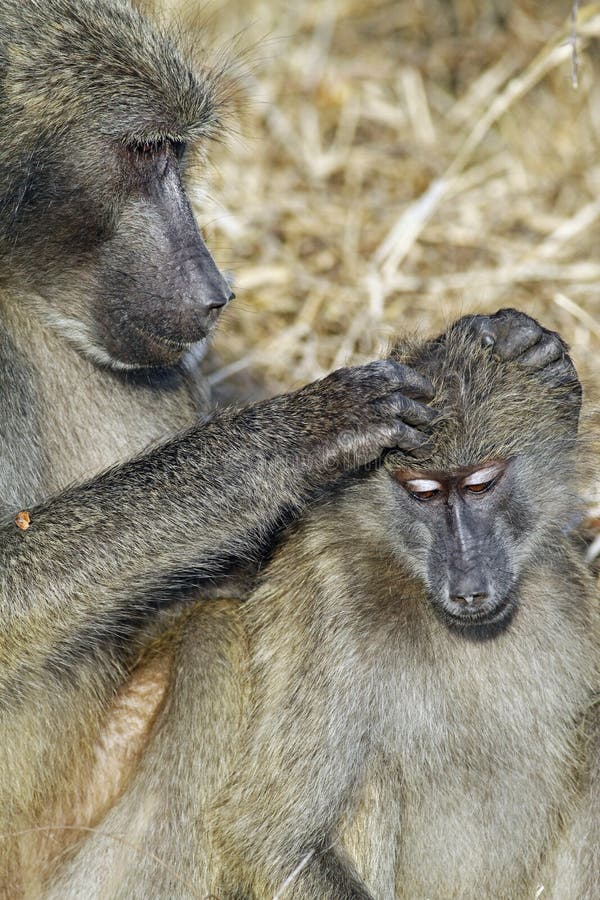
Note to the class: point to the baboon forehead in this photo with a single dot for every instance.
(489, 408)
(73, 58)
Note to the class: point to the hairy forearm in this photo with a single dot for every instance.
(214, 492)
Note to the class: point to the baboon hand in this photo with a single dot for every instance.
(364, 410)
(513, 335)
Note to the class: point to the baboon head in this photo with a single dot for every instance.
(497, 486)
(100, 115)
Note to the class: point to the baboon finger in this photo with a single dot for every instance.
(480, 326)
(562, 372)
(547, 350)
(410, 411)
(509, 331)
(514, 334)
(489, 329)
(403, 437)
(410, 382)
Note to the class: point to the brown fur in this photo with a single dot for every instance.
(107, 297)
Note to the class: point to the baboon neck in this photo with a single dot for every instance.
(72, 418)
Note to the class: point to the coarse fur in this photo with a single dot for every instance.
(107, 297)
(112, 684)
(348, 742)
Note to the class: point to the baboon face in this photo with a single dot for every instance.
(147, 285)
(157, 290)
(493, 490)
(95, 219)
(467, 526)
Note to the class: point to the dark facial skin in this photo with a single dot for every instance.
(120, 222)
(468, 534)
(471, 526)
(157, 256)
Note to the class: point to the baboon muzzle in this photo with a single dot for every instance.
(472, 555)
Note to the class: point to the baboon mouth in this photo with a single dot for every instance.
(483, 623)
(161, 341)
(175, 345)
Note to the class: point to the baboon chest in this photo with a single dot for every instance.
(474, 768)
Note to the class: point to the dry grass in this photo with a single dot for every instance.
(401, 163)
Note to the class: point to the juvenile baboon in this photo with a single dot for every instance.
(107, 295)
(407, 705)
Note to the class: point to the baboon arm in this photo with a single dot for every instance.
(96, 559)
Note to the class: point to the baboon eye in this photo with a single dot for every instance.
(479, 488)
(481, 481)
(423, 488)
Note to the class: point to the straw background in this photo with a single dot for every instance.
(398, 164)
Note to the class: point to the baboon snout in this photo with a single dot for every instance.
(480, 595)
(199, 280)
(469, 589)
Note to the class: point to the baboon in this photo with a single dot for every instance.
(407, 704)
(107, 296)
(451, 634)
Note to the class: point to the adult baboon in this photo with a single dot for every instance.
(406, 705)
(107, 292)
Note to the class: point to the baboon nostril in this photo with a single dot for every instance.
(219, 301)
(470, 601)
(216, 304)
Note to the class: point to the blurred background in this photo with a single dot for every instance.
(399, 164)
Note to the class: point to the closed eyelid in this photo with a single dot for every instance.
(482, 476)
(423, 484)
